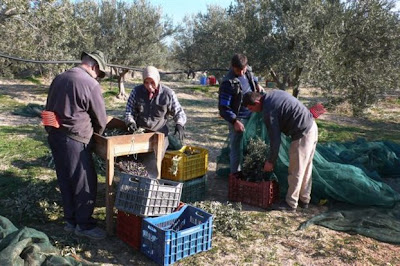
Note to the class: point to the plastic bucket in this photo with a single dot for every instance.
(203, 80)
(212, 80)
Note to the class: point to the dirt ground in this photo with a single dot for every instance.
(275, 239)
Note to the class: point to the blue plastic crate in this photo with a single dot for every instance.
(169, 238)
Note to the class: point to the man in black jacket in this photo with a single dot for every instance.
(283, 113)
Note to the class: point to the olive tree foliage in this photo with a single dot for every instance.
(350, 49)
(256, 29)
(129, 33)
(360, 62)
(276, 36)
(132, 34)
(294, 39)
(282, 37)
(209, 40)
(40, 30)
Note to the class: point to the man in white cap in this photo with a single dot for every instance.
(77, 107)
(149, 106)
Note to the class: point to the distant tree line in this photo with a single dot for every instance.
(349, 49)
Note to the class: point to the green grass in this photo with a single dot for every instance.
(28, 187)
(206, 90)
(203, 89)
(23, 156)
(110, 93)
(34, 80)
(328, 131)
(7, 103)
(376, 131)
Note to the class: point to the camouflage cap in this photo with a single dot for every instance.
(100, 59)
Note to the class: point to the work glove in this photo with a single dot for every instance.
(180, 131)
(132, 127)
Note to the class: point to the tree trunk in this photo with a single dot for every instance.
(121, 78)
(285, 80)
(296, 82)
(280, 85)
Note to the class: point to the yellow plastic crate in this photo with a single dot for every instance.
(185, 164)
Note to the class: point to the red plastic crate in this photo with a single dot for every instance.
(317, 110)
(260, 194)
(129, 229)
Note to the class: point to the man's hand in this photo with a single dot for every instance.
(238, 126)
(260, 89)
(268, 166)
(132, 126)
(180, 131)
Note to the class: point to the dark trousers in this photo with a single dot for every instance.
(76, 177)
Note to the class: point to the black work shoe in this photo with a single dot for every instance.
(94, 233)
(283, 206)
(303, 205)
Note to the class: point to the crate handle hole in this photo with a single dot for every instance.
(199, 214)
(151, 228)
(134, 179)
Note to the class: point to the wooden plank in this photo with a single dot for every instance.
(158, 146)
(126, 149)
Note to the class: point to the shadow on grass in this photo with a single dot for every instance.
(26, 201)
(27, 144)
(35, 132)
(16, 90)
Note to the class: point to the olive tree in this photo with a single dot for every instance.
(359, 57)
(38, 30)
(209, 40)
(132, 35)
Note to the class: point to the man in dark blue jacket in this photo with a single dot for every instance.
(235, 84)
(283, 113)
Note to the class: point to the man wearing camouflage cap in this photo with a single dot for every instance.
(76, 103)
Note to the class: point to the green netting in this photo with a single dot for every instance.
(27, 246)
(348, 172)
(30, 110)
(354, 173)
(379, 223)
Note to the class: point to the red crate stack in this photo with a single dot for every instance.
(129, 229)
(260, 194)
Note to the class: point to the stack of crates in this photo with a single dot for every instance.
(139, 197)
(151, 218)
(188, 165)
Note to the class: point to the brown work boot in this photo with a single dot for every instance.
(303, 205)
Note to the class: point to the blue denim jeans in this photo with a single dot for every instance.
(236, 147)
